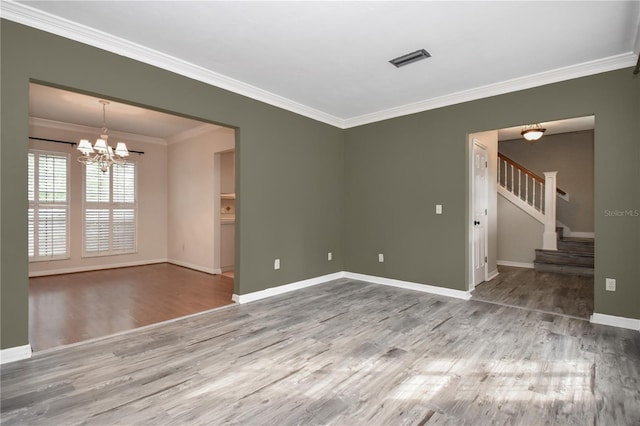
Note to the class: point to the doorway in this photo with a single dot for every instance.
(530, 277)
(226, 220)
(169, 229)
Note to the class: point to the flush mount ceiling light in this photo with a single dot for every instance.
(532, 132)
(101, 152)
(410, 58)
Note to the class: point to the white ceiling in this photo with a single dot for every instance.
(552, 127)
(61, 106)
(329, 60)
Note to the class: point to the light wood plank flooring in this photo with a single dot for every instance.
(340, 353)
(544, 291)
(70, 308)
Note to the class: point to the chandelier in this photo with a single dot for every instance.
(101, 153)
(532, 132)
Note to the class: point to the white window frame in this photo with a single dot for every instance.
(37, 205)
(110, 206)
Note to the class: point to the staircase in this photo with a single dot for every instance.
(575, 256)
(536, 196)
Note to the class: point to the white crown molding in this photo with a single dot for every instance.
(196, 131)
(77, 128)
(35, 18)
(534, 80)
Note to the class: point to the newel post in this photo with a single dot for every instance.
(550, 237)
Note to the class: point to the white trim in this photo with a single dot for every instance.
(213, 271)
(95, 267)
(493, 274)
(196, 131)
(516, 264)
(35, 18)
(567, 232)
(597, 66)
(274, 291)
(424, 288)
(622, 322)
(15, 354)
(78, 128)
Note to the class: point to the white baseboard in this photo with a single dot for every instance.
(94, 267)
(213, 271)
(424, 288)
(491, 275)
(274, 291)
(515, 264)
(622, 322)
(15, 354)
(567, 232)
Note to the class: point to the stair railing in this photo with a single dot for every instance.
(536, 191)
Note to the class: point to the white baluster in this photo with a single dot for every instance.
(526, 187)
(512, 180)
(533, 198)
(519, 184)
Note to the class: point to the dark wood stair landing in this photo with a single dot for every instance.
(575, 256)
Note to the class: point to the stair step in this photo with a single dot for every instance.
(564, 257)
(564, 269)
(582, 245)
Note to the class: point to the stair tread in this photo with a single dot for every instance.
(562, 252)
(578, 240)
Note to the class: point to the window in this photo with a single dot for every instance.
(110, 210)
(48, 214)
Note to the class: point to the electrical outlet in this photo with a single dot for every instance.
(380, 257)
(438, 208)
(276, 264)
(329, 256)
(610, 284)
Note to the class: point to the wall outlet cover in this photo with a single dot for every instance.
(610, 284)
(380, 257)
(276, 264)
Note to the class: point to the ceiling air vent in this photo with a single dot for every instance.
(410, 58)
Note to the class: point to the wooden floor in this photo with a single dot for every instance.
(70, 308)
(544, 291)
(340, 353)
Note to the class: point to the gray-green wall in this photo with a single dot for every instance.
(305, 188)
(399, 169)
(290, 169)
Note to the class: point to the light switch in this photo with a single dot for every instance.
(276, 264)
(438, 208)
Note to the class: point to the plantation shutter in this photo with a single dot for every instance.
(48, 213)
(110, 210)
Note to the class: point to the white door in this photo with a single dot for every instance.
(480, 204)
